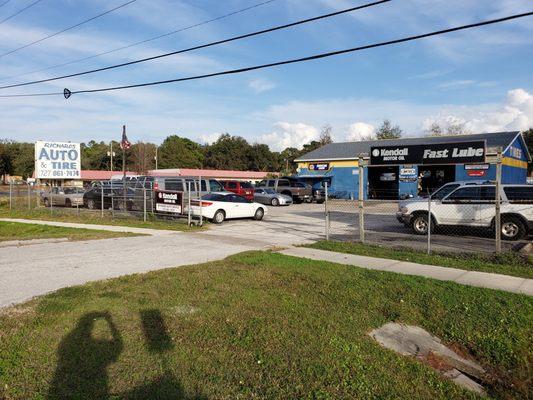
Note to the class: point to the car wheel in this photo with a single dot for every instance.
(512, 228)
(420, 224)
(68, 203)
(320, 201)
(46, 202)
(259, 214)
(219, 217)
(274, 202)
(91, 204)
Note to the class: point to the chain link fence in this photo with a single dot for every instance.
(103, 200)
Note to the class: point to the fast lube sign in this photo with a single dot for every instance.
(57, 160)
(436, 153)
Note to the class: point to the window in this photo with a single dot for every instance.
(259, 191)
(214, 197)
(246, 185)
(444, 191)
(271, 183)
(174, 184)
(283, 182)
(519, 194)
(298, 184)
(239, 199)
(476, 194)
(204, 186)
(262, 183)
(232, 185)
(215, 186)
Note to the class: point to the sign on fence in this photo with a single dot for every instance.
(437, 153)
(169, 201)
(57, 160)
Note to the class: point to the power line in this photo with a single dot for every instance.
(4, 3)
(67, 29)
(144, 41)
(19, 11)
(67, 93)
(203, 46)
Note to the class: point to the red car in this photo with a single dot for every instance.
(244, 189)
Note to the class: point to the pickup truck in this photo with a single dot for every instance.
(472, 204)
(299, 192)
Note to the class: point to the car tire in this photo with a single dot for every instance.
(420, 224)
(259, 214)
(68, 203)
(320, 201)
(91, 204)
(512, 228)
(46, 202)
(274, 202)
(219, 217)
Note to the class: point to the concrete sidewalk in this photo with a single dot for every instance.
(471, 278)
(112, 228)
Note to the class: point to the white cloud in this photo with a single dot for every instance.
(290, 135)
(209, 138)
(261, 85)
(360, 131)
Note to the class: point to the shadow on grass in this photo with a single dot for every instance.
(81, 371)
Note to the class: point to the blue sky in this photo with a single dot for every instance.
(481, 78)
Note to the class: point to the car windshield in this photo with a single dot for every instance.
(246, 185)
(444, 191)
(73, 190)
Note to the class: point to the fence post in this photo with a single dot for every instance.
(200, 200)
(51, 199)
(189, 203)
(10, 193)
(497, 217)
(102, 201)
(144, 203)
(29, 196)
(361, 195)
(326, 209)
(429, 223)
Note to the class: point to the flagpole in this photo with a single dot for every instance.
(123, 168)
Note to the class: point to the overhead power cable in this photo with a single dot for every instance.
(4, 3)
(67, 93)
(143, 41)
(203, 46)
(67, 29)
(19, 11)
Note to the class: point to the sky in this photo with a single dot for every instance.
(481, 78)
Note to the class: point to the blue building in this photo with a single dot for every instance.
(337, 164)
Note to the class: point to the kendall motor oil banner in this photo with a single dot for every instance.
(423, 154)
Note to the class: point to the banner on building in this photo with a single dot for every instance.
(423, 154)
(57, 160)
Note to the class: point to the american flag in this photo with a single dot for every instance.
(124, 143)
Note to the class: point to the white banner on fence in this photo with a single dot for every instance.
(57, 160)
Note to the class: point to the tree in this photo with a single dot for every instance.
(94, 155)
(528, 137)
(6, 160)
(262, 159)
(387, 131)
(23, 159)
(228, 152)
(456, 128)
(325, 135)
(142, 157)
(434, 130)
(286, 158)
(179, 152)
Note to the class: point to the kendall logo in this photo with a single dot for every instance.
(375, 152)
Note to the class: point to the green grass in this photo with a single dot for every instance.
(21, 231)
(257, 325)
(93, 217)
(508, 263)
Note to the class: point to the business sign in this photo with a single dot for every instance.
(438, 153)
(169, 201)
(408, 175)
(476, 166)
(476, 172)
(319, 167)
(57, 160)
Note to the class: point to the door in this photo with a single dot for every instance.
(486, 207)
(241, 208)
(459, 208)
(260, 196)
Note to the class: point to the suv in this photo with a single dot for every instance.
(472, 204)
(299, 192)
(244, 189)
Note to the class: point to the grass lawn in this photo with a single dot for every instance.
(257, 325)
(509, 263)
(19, 231)
(85, 216)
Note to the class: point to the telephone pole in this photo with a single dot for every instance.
(124, 166)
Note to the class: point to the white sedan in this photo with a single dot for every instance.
(220, 206)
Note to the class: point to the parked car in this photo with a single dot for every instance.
(63, 196)
(271, 197)
(218, 207)
(472, 204)
(111, 193)
(299, 192)
(244, 189)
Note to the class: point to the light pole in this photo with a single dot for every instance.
(155, 158)
(111, 154)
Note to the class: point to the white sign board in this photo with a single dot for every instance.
(57, 160)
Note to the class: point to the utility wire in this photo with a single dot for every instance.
(67, 93)
(19, 11)
(143, 41)
(203, 46)
(4, 3)
(67, 29)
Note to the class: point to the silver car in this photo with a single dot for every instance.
(271, 197)
(59, 196)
